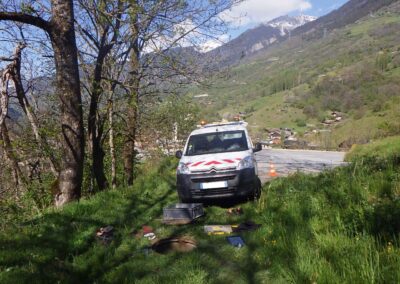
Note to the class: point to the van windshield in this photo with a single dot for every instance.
(217, 142)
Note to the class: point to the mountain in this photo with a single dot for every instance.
(286, 23)
(279, 29)
(258, 38)
(349, 13)
(334, 91)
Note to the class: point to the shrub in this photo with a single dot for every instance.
(301, 122)
(311, 111)
(359, 113)
(382, 60)
(284, 81)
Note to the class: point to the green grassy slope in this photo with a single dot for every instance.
(386, 149)
(341, 226)
(354, 70)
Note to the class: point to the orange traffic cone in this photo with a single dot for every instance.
(272, 171)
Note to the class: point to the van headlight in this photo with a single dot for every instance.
(246, 163)
(183, 169)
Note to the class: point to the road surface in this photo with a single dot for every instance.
(290, 161)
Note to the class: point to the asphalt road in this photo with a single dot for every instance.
(290, 161)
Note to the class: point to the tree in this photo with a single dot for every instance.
(168, 123)
(60, 29)
(101, 34)
(382, 60)
(160, 32)
(9, 154)
(130, 53)
(14, 72)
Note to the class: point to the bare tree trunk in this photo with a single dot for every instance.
(95, 127)
(104, 35)
(5, 77)
(26, 107)
(62, 34)
(68, 89)
(111, 139)
(133, 101)
(11, 158)
(129, 146)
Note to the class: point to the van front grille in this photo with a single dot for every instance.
(212, 179)
(213, 170)
(214, 191)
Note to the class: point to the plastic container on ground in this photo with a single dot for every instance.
(182, 213)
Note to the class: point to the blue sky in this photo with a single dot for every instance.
(251, 13)
(322, 7)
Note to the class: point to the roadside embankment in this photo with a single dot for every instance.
(340, 226)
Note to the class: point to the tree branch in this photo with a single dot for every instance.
(26, 19)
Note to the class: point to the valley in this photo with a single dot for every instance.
(299, 82)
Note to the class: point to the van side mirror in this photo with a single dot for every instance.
(178, 154)
(257, 147)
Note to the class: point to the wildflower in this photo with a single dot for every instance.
(389, 247)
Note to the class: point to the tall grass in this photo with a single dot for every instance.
(341, 226)
(334, 228)
(378, 152)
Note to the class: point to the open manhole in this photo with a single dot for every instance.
(169, 245)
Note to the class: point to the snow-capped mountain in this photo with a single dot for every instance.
(259, 38)
(287, 23)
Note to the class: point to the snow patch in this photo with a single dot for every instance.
(287, 23)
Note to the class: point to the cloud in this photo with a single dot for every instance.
(257, 11)
(173, 38)
(247, 12)
(185, 34)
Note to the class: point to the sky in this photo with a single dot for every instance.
(251, 13)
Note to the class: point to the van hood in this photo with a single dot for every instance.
(216, 162)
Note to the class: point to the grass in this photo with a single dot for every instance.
(341, 226)
(272, 111)
(376, 152)
(366, 128)
(364, 26)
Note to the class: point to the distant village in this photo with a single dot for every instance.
(288, 138)
(283, 137)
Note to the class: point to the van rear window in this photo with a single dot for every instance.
(217, 142)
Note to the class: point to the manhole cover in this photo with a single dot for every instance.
(169, 245)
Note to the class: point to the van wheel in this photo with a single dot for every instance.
(183, 200)
(257, 191)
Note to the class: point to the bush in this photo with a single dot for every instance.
(378, 106)
(389, 128)
(382, 60)
(388, 91)
(359, 113)
(301, 122)
(284, 81)
(311, 111)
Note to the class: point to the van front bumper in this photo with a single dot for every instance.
(240, 183)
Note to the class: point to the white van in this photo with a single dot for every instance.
(217, 163)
